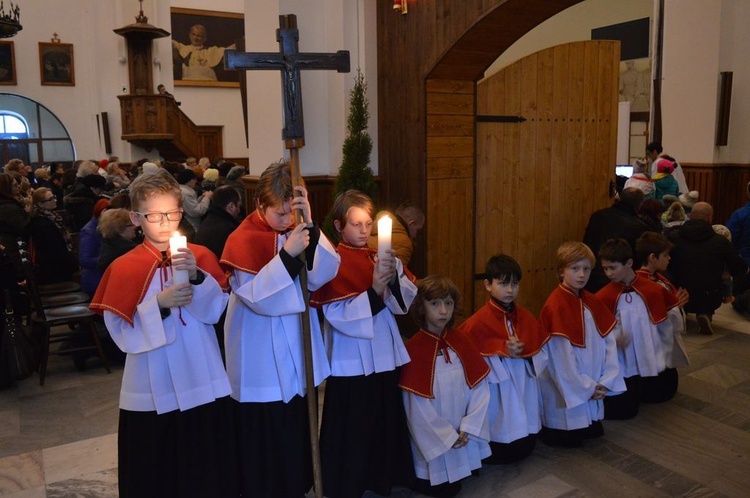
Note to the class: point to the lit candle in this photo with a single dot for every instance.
(385, 226)
(177, 241)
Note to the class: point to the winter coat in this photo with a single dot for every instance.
(699, 257)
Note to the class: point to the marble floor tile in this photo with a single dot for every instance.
(95, 485)
(10, 423)
(71, 461)
(21, 473)
(721, 375)
(549, 486)
(38, 492)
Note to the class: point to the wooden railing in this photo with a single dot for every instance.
(157, 122)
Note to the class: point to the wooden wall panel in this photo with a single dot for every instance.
(721, 185)
(451, 225)
(539, 177)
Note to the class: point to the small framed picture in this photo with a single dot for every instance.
(56, 64)
(7, 63)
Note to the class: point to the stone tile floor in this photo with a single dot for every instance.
(59, 440)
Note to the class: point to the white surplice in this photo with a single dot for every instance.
(171, 366)
(359, 343)
(263, 332)
(434, 424)
(571, 376)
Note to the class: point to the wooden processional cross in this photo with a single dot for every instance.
(290, 61)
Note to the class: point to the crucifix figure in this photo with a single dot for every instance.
(289, 61)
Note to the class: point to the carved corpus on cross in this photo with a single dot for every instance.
(289, 61)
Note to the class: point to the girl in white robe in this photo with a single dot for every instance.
(446, 395)
(364, 440)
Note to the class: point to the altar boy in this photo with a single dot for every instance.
(511, 340)
(176, 434)
(263, 335)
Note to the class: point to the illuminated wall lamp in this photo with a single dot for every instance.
(401, 5)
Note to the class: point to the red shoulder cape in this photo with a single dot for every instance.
(658, 299)
(657, 277)
(127, 279)
(418, 375)
(488, 328)
(562, 315)
(251, 246)
(353, 278)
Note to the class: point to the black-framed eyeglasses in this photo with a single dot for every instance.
(158, 217)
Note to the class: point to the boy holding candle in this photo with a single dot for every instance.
(511, 340)
(263, 335)
(175, 415)
(364, 438)
(582, 365)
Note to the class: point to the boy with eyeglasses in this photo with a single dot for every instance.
(174, 411)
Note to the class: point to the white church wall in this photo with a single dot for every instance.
(735, 38)
(324, 26)
(207, 106)
(573, 24)
(692, 34)
(76, 106)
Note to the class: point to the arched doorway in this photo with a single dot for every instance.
(428, 64)
(32, 133)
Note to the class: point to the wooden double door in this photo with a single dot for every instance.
(545, 153)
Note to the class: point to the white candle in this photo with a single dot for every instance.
(385, 226)
(177, 241)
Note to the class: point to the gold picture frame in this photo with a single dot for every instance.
(7, 63)
(205, 66)
(56, 64)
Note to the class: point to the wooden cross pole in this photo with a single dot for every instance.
(290, 61)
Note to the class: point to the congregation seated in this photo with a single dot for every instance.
(222, 219)
(89, 246)
(52, 244)
(13, 219)
(80, 202)
(118, 236)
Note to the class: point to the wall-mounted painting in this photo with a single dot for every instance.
(199, 39)
(56, 64)
(7, 63)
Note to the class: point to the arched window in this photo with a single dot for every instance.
(31, 132)
(12, 126)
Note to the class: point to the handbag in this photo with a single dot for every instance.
(19, 356)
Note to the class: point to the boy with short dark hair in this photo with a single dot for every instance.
(641, 307)
(652, 250)
(511, 340)
(174, 411)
